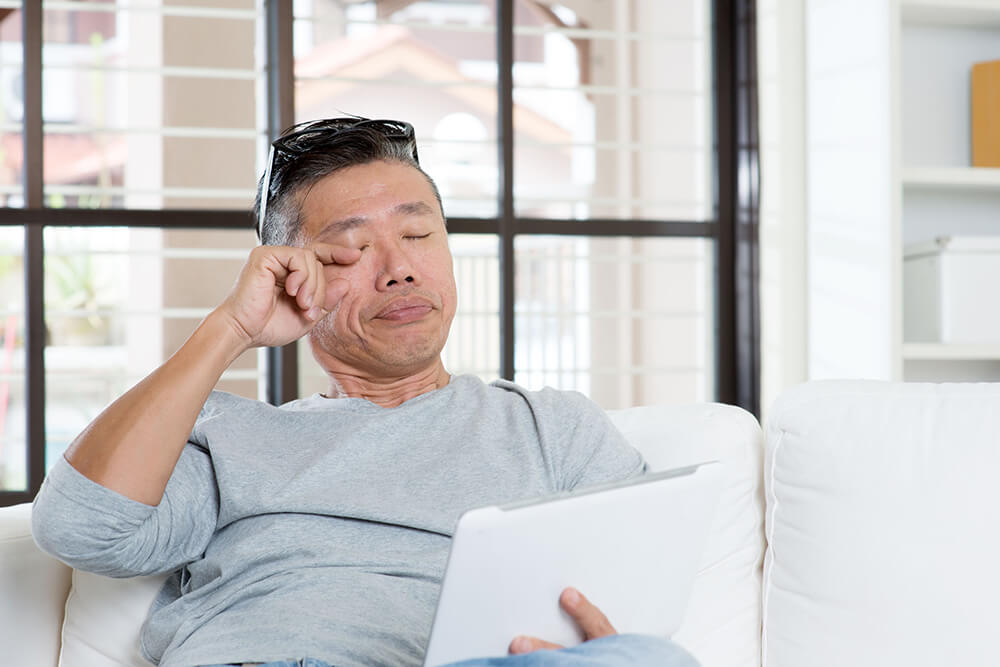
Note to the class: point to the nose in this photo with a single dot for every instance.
(397, 269)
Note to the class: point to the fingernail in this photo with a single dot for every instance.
(572, 595)
(309, 300)
(520, 644)
(313, 313)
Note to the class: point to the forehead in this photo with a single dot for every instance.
(373, 192)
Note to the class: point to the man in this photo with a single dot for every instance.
(320, 529)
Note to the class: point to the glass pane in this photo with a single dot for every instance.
(13, 452)
(151, 107)
(614, 110)
(11, 109)
(118, 302)
(430, 63)
(626, 321)
(474, 342)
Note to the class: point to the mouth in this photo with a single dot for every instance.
(407, 309)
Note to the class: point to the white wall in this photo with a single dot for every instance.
(848, 143)
(783, 301)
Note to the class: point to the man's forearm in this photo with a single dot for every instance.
(133, 446)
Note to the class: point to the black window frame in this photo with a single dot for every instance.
(733, 227)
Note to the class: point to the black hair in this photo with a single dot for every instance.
(309, 152)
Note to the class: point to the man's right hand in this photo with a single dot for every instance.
(283, 291)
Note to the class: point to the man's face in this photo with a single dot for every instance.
(396, 316)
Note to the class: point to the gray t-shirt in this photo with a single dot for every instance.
(321, 528)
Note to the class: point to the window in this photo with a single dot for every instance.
(134, 189)
(583, 152)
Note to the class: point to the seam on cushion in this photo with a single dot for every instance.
(62, 626)
(769, 535)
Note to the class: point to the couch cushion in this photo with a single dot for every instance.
(103, 620)
(33, 589)
(882, 521)
(722, 623)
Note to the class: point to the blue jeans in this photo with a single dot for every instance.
(612, 651)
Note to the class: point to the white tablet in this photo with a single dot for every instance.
(633, 548)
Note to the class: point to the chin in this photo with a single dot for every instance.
(416, 359)
(415, 354)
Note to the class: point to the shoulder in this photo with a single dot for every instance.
(578, 438)
(226, 410)
(222, 403)
(557, 401)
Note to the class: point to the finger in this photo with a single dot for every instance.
(305, 269)
(298, 273)
(328, 253)
(319, 287)
(591, 620)
(312, 294)
(304, 276)
(525, 644)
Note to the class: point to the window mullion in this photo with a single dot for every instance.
(282, 362)
(34, 250)
(505, 191)
(737, 320)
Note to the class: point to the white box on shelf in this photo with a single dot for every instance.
(950, 290)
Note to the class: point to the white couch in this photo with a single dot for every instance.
(882, 523)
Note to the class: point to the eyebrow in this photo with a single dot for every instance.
(414, 208)
(406, 208)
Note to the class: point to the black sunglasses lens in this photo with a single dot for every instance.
(306, 137)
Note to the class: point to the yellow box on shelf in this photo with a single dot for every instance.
(986, 114)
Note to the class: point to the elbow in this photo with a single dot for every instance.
(109, 548)
(50, 529)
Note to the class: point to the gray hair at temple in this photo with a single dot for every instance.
(311, 151)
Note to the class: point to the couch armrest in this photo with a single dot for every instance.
(722, 622)
(33, 590)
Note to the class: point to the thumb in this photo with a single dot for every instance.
(591, 620)
(336, 290)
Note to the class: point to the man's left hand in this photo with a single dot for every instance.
(590, 619)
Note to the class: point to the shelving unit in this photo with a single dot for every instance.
(941, 195)
(888, 165)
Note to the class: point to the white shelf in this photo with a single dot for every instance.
(951, 351)
(983, 179)
(960, 13)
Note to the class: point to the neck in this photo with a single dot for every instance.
(387, 392)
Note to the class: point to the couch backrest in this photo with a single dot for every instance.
(883, 525)
(721, 627)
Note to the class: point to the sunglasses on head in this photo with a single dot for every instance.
(313, 135)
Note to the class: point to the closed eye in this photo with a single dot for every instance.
(416, 236)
